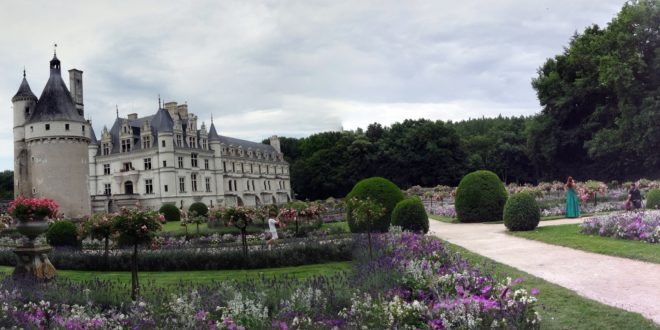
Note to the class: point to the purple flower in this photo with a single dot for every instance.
(534, 291)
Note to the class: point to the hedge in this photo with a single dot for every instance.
(480, 197)
(378, 189)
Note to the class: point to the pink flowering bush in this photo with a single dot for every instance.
(30, 209)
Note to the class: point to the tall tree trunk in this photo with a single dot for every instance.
(135, 286)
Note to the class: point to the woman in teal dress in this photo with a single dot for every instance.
(572, 201)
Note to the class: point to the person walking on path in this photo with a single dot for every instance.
(572, 202)
(635, 196)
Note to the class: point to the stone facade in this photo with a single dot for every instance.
(148, 161)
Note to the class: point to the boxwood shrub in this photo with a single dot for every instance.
(198, 208)
(521, 212)
(653, 199)
(480, 196)
(63, 233)
(409, 214)
(170, 211)
(378, 189)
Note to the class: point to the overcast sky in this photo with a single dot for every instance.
(291, 68)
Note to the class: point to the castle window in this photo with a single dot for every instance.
(106, 149)
(193, 181)
(83, 128)
(182, 184)
(207, 182)
(147, 164)
(191, 142)
(180, 161)
(165, 188)
(31, 128)
(242, 168)
(163, 143)
(179, 140)
(106, 169)
(230, 183)
(206, 164)
(146, 142)
(235, 185)
(126, 145)
(269, 185)
(267, 169)
(148, 186)
(107, 189)
(66, 127)
(27, 111)
(251, 168)
(164, 163)
(204, 145)
(48, 127)
(224, 166)
(193, 160)
(233, 167)
(128, 167)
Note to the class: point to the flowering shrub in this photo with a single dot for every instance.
(641, 226)
(29, 209)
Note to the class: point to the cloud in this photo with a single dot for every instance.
(293, 68)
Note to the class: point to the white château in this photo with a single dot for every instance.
(166, 157)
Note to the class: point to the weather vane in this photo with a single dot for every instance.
(55, 49)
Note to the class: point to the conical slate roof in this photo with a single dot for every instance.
(213, 134)
(55, 102)
(24, 92)
(162, 121)
(92, 135)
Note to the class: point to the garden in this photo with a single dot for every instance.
(215, 268)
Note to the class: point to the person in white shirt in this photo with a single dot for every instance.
(272, 223)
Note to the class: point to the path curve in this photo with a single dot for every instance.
(624, 283)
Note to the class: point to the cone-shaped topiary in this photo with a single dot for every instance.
(170, 211)
(380, 190)
(409, 214)
(63, 233)
(653, 199)
(198, 208)
(480, 197)
(521, 212)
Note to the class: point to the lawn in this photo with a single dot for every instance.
(176, 228)
(204, 276)
(569, 236)
(563, 308)
(338, 226)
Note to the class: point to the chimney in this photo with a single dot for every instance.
(132, 116)
(275, 143)
(76, 87)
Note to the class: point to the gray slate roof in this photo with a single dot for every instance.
(55, 102)
(24, 92)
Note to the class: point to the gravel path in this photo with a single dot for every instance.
(624, 283)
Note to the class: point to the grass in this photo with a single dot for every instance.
(340, 225)
(563, 308)
(455, 220)
(203, 276)
(176, 228)
(569, 236)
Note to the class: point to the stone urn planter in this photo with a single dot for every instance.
(32, 229)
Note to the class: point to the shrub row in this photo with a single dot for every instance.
(197, 259)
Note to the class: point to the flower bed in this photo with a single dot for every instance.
(412, 282)
(641, 226)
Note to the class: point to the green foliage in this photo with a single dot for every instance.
(198, 208)
(521, 212)
(171, 212)
(409, 214)
(310, 252)
(7, 184)
(63, 233)
(379, 190)
(480, 197)
(653, 199)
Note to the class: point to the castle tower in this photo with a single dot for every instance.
(57, 138)
(24, 103)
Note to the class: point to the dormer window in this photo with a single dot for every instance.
(179, 140)
(126, 145)
(105, 149)
(146, 142)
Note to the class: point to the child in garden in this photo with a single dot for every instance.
(272, 223)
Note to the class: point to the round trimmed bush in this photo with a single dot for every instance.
(409, 214)
(521, 212)
(480, 197)
(380, 190)
(63, 233)
(170, 211)
(199, 208)
(653, 199)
